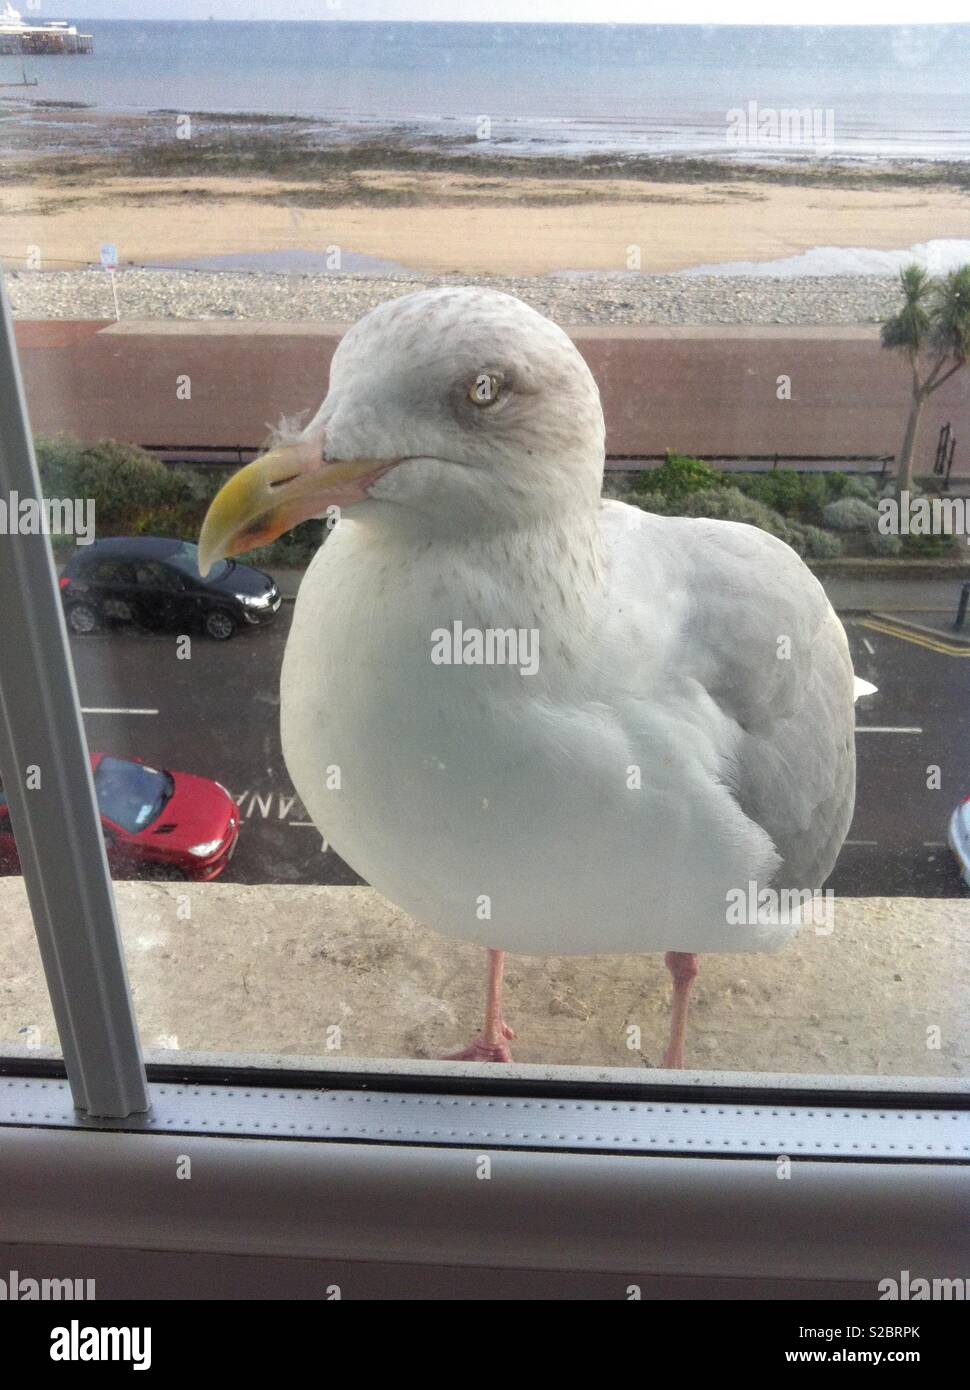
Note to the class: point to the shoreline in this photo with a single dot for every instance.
(516, 140)
(71, 181)
(129, 141)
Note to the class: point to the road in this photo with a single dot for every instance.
(217, 714)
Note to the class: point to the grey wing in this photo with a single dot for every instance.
(777, 663)
(754, 629)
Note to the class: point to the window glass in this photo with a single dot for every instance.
(154, 576)
(130, 795)
(110, 572)
(635, 648)
(186, 559)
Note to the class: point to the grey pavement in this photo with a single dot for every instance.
(848, 593)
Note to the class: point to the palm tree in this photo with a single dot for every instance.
(933, 329)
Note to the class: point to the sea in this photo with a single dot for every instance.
(861, 94)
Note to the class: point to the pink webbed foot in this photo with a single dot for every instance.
(481, 1050)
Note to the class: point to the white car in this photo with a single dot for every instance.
(958, 837)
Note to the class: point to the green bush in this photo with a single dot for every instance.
(885, 545)
(780, 489)
(136, 495)
(815, 544)
(652, 502)
(850, 514)
(678, 477)
(730, 504)
(927, 547)
(815, 494)
(617, 486)
(295, 550)
(203, 483)
(800, 497)
(125, 483)
(803, 496)
(865, 487)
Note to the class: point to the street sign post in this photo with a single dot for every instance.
(109, 260)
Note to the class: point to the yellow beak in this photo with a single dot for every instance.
(274, 493)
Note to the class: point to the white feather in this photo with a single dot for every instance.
(689, 730)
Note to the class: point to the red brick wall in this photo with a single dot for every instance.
(709, 391)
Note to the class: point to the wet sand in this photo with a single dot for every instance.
(71, 181)
(470, 229)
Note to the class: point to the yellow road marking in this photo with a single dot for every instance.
(919, 639)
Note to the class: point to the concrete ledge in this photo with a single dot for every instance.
(231, 969)
(716, 332)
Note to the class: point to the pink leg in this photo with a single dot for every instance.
(492, 1043)
(683, 968)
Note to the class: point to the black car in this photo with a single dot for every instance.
(155, 583)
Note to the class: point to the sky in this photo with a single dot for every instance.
(551, 11)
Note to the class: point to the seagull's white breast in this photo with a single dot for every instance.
(586, 808)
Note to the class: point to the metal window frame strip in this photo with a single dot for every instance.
(457, 1118)
(62, 855)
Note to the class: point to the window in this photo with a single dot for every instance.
(131, 795)
(156, 576)
(434, 648)
(186, 559)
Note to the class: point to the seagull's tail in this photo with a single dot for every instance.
(863, 688)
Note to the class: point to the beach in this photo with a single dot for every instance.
(453, 222)
(314, 206)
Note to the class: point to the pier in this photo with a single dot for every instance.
(21, 40)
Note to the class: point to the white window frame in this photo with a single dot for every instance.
(62, 857)
(592, 1163)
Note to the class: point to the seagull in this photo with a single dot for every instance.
(533, 718)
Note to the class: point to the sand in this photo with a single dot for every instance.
(458, 223)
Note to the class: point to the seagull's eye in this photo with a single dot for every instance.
(486, 388)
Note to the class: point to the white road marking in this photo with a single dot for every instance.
(887, 729)
(860, 842)
(118, 711)
(934, 844)
(868, 646)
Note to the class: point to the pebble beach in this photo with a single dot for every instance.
(621, 301)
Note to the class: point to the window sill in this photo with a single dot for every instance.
(339, 976)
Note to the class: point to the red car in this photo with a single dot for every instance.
(156, 824)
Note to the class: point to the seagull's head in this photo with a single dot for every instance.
(460, 408)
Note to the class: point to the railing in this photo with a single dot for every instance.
(222, 456)
(31, 44)
(945, 446)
